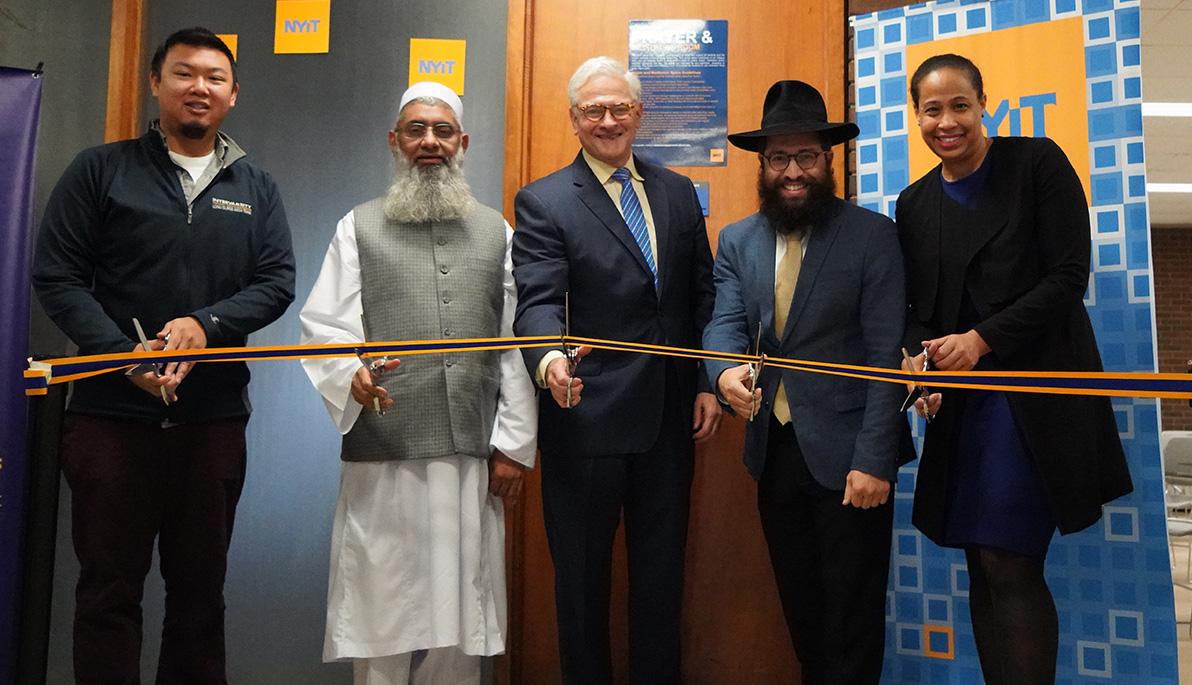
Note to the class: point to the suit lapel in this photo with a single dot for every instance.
(932, 236)
(764, 245)
(988, 218)
(596, 199)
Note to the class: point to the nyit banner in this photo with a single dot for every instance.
(20, 99)
(1067, 69)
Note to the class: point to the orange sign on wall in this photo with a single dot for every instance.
(230, 40)
(1034, 85)
(302, 26)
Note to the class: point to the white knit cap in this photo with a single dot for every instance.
(435, 90)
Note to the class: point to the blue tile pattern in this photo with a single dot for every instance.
(1112, 582)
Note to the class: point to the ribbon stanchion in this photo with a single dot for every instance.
(42, 374)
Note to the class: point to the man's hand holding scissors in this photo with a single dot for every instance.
(736, 386)
(560, 372)
(364, 384)
(561, 380)
(150, 379)
(183, 333)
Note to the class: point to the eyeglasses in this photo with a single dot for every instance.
(619, 110)
(806, 159)
(416, 130)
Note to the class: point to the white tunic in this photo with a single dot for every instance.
(418, 546)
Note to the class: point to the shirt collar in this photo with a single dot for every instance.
(221, 141)
(604, 172)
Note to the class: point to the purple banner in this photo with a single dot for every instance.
(20, 100)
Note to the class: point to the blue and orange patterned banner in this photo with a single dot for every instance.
(1070, 70)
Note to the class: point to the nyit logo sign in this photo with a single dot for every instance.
(438, 60)
(1034, 107)
(1034, 86)
(430, 66)
(302, 26)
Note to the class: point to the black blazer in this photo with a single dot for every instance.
(1025, 263)
(571, 238)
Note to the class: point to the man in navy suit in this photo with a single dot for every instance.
(824, 280)
(624, 241)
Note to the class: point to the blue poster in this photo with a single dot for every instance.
(683, 67)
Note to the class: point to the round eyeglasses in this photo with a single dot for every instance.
(619, 110)
(779, 161)
(416, 130)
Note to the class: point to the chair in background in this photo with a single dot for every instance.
(1176, 450)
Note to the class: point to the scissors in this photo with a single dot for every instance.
(375, 365)
(569, 351)
(918, 391)
(755, 369)
(148, 367)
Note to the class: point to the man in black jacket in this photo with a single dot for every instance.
(179, 230)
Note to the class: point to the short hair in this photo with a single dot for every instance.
(602, 66)
(196, 37)
(947, 61)
(433, 102)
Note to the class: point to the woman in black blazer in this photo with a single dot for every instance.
(996, 242)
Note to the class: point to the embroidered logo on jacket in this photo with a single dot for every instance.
(229, 206)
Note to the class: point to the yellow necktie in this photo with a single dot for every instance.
(785, 278)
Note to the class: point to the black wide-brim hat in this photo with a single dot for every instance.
(793, 107)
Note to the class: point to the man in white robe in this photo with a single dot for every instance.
(417, 583)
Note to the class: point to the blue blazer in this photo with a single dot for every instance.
(848, 308)
(571, 238)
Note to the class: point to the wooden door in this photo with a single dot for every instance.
(733, 626)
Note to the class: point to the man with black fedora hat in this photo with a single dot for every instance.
(823, 281)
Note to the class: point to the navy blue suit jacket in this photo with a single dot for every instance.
(571, 238)
(848, 308)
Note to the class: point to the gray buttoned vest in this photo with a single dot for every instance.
(427, 281)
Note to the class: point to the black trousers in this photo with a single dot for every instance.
(832, 565)
(583, 499)
(131, 484)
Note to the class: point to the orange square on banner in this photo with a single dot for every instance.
(1034, 85)
(950, 651)
(302, 26)
(230, 40)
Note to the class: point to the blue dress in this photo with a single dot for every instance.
(995, 497)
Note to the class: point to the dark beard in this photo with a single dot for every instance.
(796, 216)
(192, 130)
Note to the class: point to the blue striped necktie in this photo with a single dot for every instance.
(635, 219)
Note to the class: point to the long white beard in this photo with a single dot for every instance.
(428, 193)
